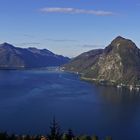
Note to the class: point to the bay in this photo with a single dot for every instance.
(29, 99)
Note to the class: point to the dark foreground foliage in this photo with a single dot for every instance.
(55, 134)
(64, 136)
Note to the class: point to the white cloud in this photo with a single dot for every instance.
(27, 44)
(75, 11)
(92, 46)
(61, 40)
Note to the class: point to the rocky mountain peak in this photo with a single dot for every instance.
(117, 64)
(121, 44)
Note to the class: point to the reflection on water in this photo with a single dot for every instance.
(29, 100)
(115, 95)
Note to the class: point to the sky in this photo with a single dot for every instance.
(68, 27)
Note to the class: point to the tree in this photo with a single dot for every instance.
(12, 137)
(3, 136)
(108, 138)
(95, 138)
(27, 137)
(55, 131)
(77, 138)
(70, 134)
(64, 136)
(84, 137)
(38, 137)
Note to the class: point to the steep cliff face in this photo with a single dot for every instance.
(118, 63)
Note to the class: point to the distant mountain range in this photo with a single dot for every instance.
(117, 64)
(13, 57)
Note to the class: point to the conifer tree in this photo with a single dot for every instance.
(54, 131)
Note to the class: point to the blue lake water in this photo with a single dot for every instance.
(29, 100)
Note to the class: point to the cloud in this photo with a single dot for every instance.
(61, 40)
(28, 35)
(92, 46)
(27, 44)
(75, 11)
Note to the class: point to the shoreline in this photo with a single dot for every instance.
(104, 82)
(110, 83)
(31, 68)
(92, 80)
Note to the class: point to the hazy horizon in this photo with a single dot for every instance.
(68, 27)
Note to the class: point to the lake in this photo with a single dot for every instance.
(29, 99)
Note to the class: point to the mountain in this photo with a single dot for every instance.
(14, 57)
(117, 64)
(82, 62)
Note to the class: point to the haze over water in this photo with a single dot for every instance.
(29, 100)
